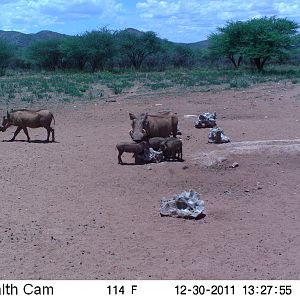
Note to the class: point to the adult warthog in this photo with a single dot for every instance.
(146, 126)
(23, 118)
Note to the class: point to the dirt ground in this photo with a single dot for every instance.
(70, 211)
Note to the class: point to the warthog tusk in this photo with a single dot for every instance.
(144, 131)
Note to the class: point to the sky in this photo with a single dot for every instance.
(175, 20)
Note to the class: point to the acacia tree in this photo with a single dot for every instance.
(258, 39)
(227, 42)
(138, 45)
(268, 38)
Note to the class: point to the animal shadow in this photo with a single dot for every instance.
(31, 141)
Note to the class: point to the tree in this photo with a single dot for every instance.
(138, 45)
(268, 38)
(182, 56)
(45, 54)
(6, 53)
(227, 42)
(99, 46)
(73, 52)
(258, 39)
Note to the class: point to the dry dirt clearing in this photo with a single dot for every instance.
(69, 211)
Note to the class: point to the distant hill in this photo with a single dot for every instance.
(196, 45)
(21, 40)
(133, 30)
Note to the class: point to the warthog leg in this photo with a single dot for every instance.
(119, 158)
(26, 132)
(15, 134)
(50, 129)
(53, 138)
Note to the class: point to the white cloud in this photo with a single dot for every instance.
(161, 8)
(200, 18)
(193, 19)
(27, 14)
(288, 8)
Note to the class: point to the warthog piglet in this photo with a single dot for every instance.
(135, 148)
(172, 148)
(155, 142)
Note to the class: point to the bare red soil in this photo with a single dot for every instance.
(70, 211)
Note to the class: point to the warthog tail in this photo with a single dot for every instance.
(53, 118)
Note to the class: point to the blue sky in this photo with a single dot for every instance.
(175, 20)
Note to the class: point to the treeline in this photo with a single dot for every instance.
(102, 49)
(253, 43)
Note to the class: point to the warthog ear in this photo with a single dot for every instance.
(132, 116)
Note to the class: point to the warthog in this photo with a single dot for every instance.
(155, 142)
(172, 148)
(146, 126)
(24, 118)
(135, 148)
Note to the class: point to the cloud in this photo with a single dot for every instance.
(24, 15)
(176, 20)
(201, 18)
(290, 8)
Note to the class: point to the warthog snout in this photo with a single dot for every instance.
(138, 136)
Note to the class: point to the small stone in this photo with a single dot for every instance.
(185, 167)
(246, 191)
(234, 165)
(217, 136)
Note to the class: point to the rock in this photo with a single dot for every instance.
(187, 205)
(150, 155)
(217, 136)
(234, 165)
(189, 116)
(206, 120)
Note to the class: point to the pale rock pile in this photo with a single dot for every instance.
(187, 205)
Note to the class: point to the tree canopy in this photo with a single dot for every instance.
(138, 46)
(258, 39)
(45, 54)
